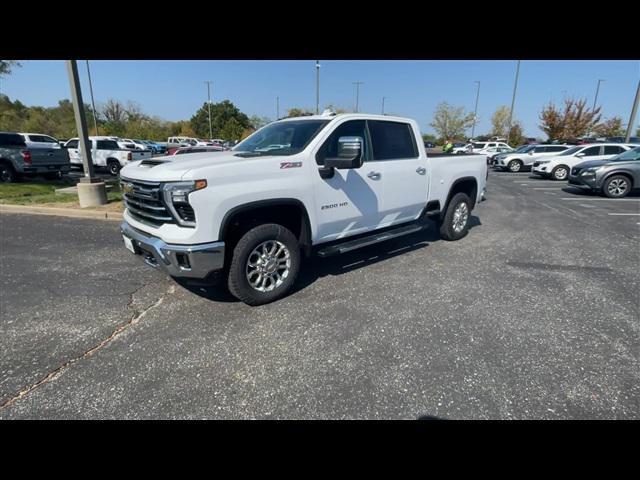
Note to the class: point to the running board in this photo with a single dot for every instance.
(369, 240)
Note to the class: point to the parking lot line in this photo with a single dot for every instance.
(602, 199)
(636, 214)
(548, 188)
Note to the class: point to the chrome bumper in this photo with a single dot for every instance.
(192, 261)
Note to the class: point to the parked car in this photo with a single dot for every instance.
(476, 147)
(524, 157)
(38, 140)
(249, 216)
(16, 160)
(494, 151)
(156, 148)
(558, 167)
(105, 153)
(211, 148)
(622, 140)
(615, 177)
(429, 145)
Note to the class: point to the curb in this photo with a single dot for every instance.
(61, 212)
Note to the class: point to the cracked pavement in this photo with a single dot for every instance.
(535, 314)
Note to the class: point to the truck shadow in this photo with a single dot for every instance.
(316, 267)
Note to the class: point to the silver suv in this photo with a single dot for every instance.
(615, 177)
(524, 156)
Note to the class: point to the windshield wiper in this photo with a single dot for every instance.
(249, 154)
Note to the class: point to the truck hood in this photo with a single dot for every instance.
(175, 167)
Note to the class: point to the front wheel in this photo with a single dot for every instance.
(561, 172)
(455, 223)
(515, 166)
(617, 186)
(113, 167)
(265, 264)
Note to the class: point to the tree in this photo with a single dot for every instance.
(258, 122)
(500, 121)
(6, 66)
(221, 114)
(516, 136)
(610, 128)
(573, 121)
(428, 137)
(298, 112)
(451, 122)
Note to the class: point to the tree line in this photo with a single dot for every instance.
(568, 121)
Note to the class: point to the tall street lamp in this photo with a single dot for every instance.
(208, 82)
(357, 84)
(475, 112)
(317, 87)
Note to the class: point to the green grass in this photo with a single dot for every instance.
(30, 192)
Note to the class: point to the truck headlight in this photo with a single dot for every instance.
(176, 198)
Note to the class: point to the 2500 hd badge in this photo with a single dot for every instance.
(334, 205)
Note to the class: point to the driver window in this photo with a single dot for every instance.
(353, 128)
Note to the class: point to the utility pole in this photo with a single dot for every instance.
(634, 112)
(513, 100)
(357, 84)
(317, 87)
(277, 108)
(93, 103)
(91, 191)
(595, 100)
(475, 112)
(209, 82)
(383, 105)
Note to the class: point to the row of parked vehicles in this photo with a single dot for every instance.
(612, 169)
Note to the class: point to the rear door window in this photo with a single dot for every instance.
(613, 150)
(12, 140)
(392, 140)
(72, 144)
(591, 152)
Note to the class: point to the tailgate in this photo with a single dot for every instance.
(45, 156)
(140, 155)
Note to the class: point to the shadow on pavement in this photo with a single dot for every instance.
(316, 267)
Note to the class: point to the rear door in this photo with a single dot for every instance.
(401, 171)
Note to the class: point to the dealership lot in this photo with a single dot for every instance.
(535, 314)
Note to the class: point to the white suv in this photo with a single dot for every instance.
(525, 156)
(475, 147)
(558, 167)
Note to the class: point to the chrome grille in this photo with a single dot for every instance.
(144, 202)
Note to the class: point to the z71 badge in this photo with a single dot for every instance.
(290, 164)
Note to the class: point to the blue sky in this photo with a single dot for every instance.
(174, 90)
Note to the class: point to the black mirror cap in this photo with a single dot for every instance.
(349, 154)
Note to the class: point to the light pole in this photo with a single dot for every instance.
(317, 87)
(595, 100)
(383, 105)
(475, 112)
(93, 103)
(513, 100)
(91, 191)
(277, 108)
(357, 84)
(634, 112)
(208, 82)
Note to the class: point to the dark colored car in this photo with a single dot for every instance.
(622, 140)
(615, 177)
(429, 145)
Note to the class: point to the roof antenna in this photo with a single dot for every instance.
(328, 113)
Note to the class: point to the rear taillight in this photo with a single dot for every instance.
(26, 156)
(129, 156)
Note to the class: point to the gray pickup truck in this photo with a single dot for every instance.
(16, 160)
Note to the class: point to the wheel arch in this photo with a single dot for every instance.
(626, 174)
(467, 185)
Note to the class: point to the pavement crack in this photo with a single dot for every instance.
(54, 374)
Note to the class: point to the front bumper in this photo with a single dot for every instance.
(580, 181)
(191, 261)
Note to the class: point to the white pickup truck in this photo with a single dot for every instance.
(105, 152)
(338, 182)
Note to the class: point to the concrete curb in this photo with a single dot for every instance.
(62, 212)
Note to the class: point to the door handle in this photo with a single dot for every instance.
(421, 170)
(374, 175)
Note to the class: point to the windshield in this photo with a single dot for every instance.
(628, 156)
(571, 151)
(281, 138)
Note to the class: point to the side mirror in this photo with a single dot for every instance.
(581, 154)
(349, 154)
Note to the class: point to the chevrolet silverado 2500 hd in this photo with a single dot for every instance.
(335, 183)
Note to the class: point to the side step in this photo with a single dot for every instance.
(369, 240)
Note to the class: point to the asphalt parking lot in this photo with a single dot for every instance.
(535, 314)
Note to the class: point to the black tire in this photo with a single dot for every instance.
(238, 281)
(7, 173)
(114, 167)
(447, 230)
(617, 186)
(514, 166)
(560, 173)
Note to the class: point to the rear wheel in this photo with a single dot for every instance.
(264, 265)
(515, 166)
(7, 173)
(561, 172)
(114, 167)
(455, 223)
(617, 186)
